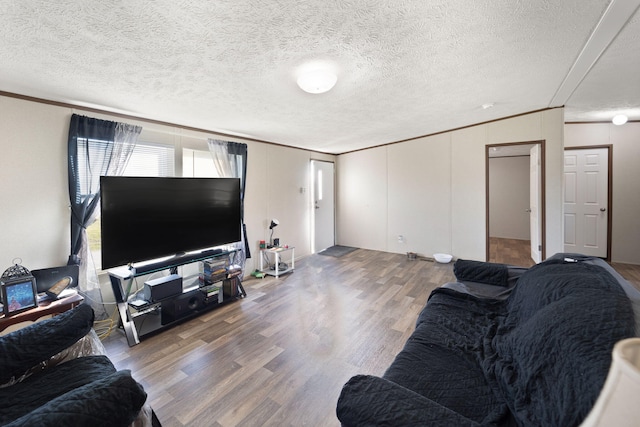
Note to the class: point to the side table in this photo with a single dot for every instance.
(45, 309)
(277, 255)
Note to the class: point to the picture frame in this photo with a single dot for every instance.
(18, 295)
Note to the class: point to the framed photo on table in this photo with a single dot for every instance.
(19, 295)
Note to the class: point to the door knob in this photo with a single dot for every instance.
(603, 209)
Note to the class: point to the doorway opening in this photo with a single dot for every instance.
(323, 211)
(515, 203)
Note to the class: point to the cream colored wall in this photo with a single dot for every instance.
(34, 221)
(34, 196)
(509, 190)
(625, 233)
(428, 185)
(433, 191)
(468, 193)
(362, 201)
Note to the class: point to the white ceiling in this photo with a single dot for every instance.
(406, 68)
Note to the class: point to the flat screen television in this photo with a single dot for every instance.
(146, 218)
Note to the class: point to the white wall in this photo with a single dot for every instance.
(625, 139)
(509, 197)
(34, 222)
(428, 185)
(34, 196)
(432, 190)
(362, 201)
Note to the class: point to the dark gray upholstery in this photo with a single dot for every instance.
(538, 357)
(82, 391)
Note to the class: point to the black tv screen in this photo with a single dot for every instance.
(145, 218)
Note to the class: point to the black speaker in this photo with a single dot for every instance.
(181, 306)
(164, 287)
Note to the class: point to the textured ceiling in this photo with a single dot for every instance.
(406, 68)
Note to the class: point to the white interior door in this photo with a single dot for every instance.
(535, 216)
(586, 180)
(323, 205)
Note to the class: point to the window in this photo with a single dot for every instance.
(198, 164)
(150, 159)
(98, 151)
(147, 159)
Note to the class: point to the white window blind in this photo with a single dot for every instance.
(151, 159)
(97, 150)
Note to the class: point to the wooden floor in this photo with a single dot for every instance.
(280, 356)
(510, 251)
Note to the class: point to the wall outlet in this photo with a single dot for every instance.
(400, 238)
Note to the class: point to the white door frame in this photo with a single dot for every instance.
(542, 189)
(535, 210)
(609, 148)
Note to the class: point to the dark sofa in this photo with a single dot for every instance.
(503, 347)
(52, 375)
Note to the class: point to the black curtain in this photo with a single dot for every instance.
(239, 149)
(84, 188)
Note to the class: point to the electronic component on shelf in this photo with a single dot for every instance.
(164, 287)
(137, 303)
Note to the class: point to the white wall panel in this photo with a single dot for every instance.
(420, 196)
(34, 217)
(553, 134)
(464, 224)
(362, 199)
(468, 204)
(517, 129)
(288, 171)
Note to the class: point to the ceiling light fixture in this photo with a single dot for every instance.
(317, 81)
(620, 119)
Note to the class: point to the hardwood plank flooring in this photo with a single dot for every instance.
(510, 251)
(280, 356)
(628, 271)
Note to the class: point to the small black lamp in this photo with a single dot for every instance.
(274, 224)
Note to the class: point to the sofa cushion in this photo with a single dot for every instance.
(440, 360)
(367, 401)
(111, 401)
(23, 349)
(39, 389)
(551, 353)
(481, 272)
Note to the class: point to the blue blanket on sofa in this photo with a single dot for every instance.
(539, 357)
(86, 391)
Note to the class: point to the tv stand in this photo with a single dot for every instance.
(140, 318)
